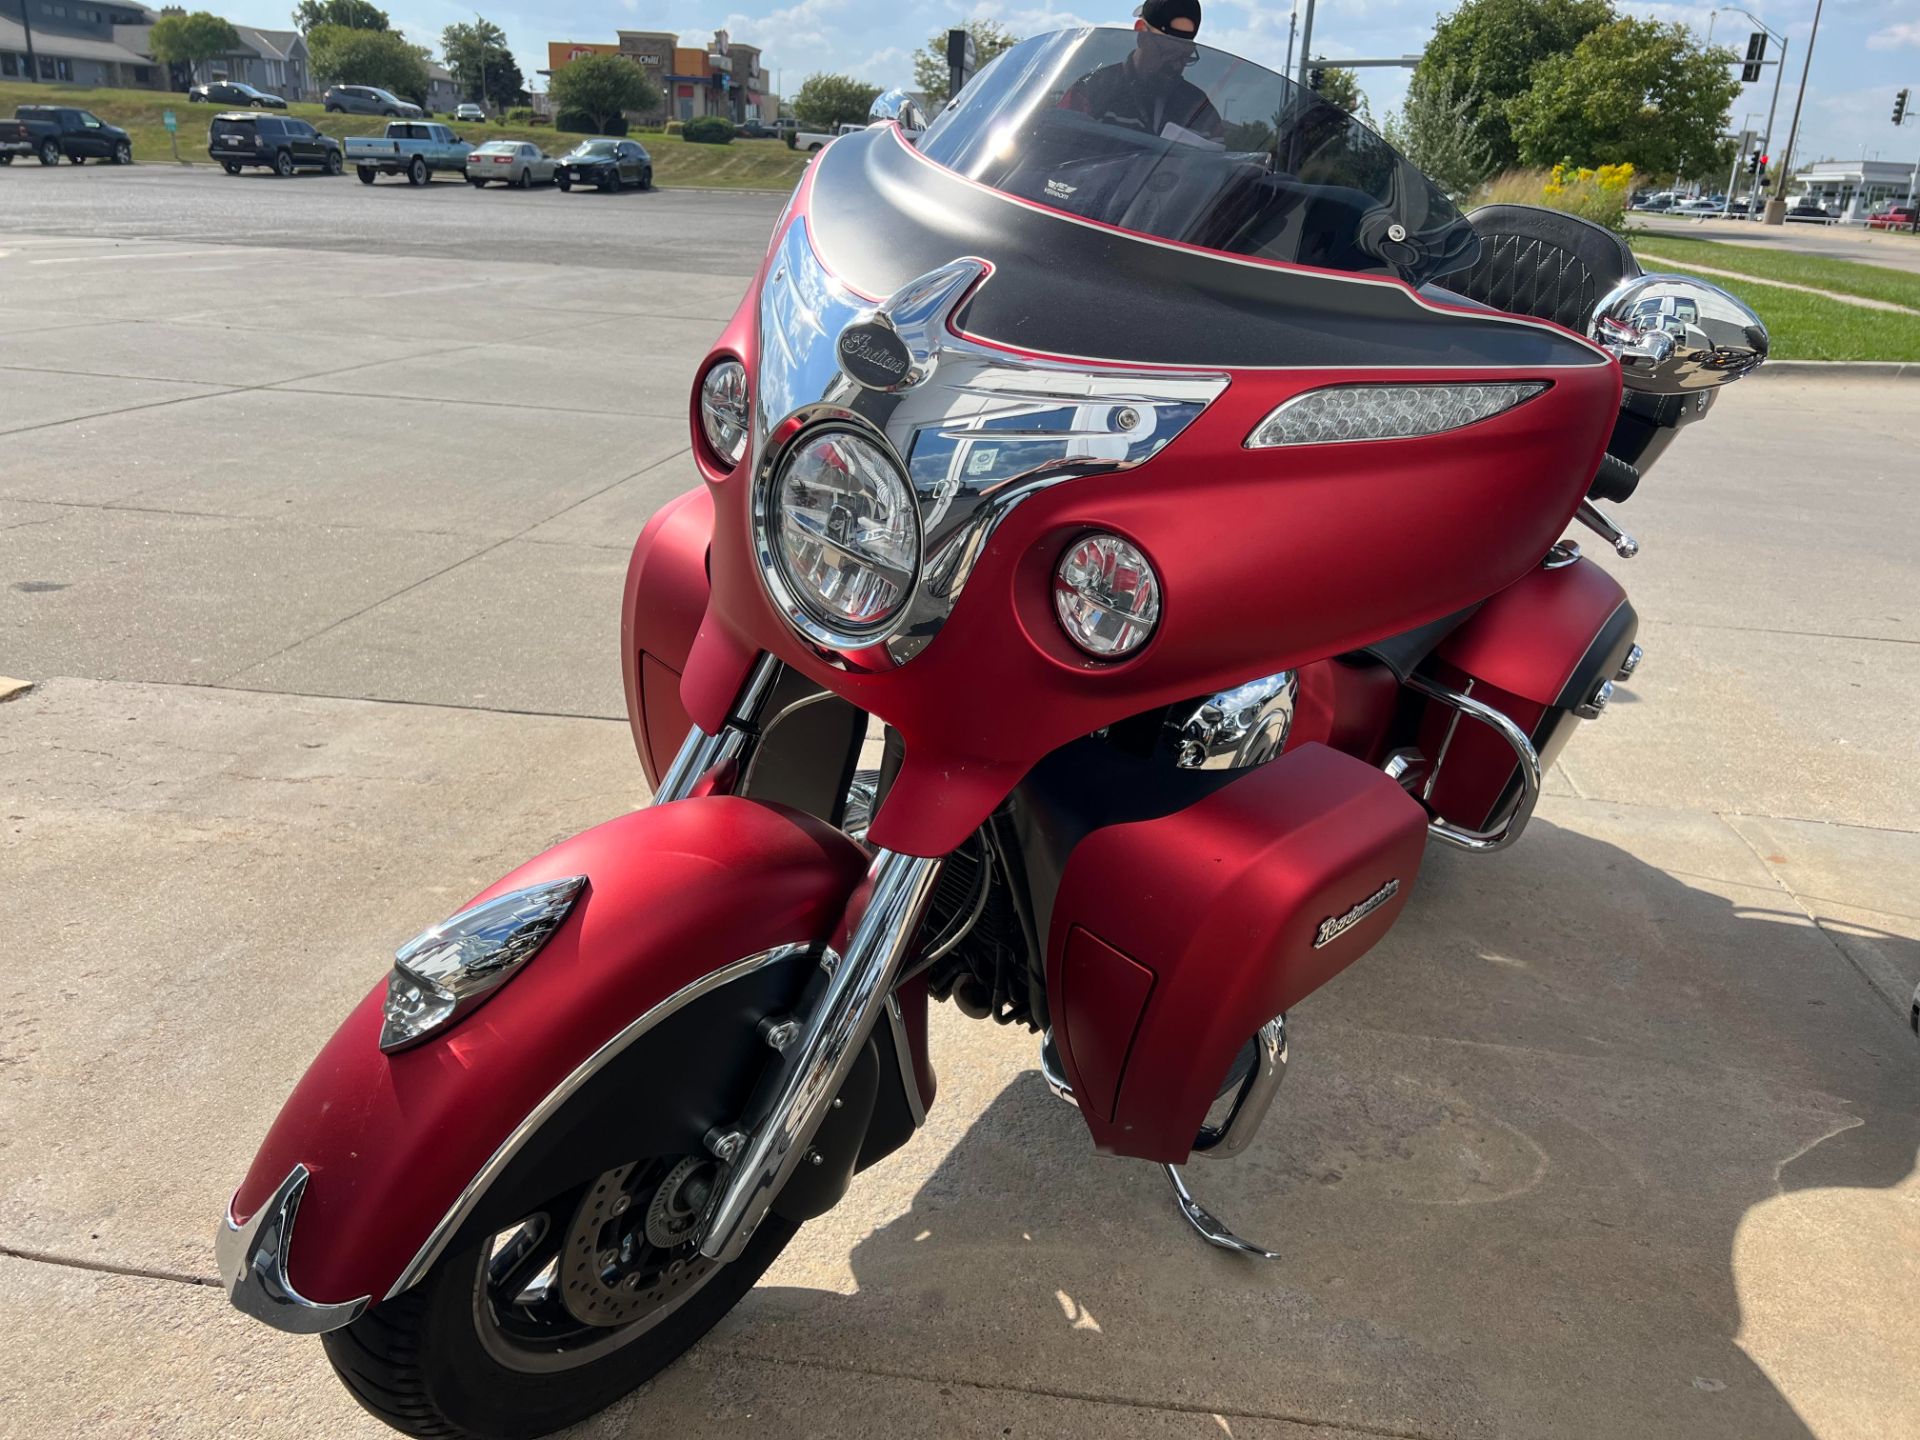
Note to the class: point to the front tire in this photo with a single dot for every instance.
(334, 163)
(123, 153)
(646, 178)
(50, 153)
(563, 182)
(459, 1355)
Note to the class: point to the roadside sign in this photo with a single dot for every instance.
(167, 119)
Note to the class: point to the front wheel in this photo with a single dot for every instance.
(50, 153)
(123, 153)
(646, 178)
(592, 1293)
(334, 163)
(563, 182)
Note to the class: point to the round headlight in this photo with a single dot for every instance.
(1106, 595)
(846, 532)
(723, 410)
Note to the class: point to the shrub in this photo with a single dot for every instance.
(1597, 195)
(581, 123)
(708, 130)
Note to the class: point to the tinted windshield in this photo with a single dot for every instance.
(1172, 139)
(595, 147)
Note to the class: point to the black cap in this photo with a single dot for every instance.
(1161, 14)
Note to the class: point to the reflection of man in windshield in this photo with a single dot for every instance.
(1147, 91)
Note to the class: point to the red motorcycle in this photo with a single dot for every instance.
(1118, 559)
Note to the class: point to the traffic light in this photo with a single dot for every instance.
(1900, 108)
(1316, 77)
(1756, 52)
(1753, 164)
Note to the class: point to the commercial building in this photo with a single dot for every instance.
(721, 78)
(1853, 189)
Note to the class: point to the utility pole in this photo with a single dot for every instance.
(1293, 23)
(1777, 206)
(1306, 46)
(26, 24)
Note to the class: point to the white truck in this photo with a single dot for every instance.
(414, 148)
(811, 140)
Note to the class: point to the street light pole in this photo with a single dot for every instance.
(1306, 46)
(1793, 130)
(26, 24)
(1780, 70)
(1293, 24)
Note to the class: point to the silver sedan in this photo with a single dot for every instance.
(509, 162)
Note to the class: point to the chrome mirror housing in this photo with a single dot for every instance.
(1673, 334)
(899, 107)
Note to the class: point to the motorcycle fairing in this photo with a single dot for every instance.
(1269, 559)
(403, 1150)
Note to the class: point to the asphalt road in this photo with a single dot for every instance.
(315, 562)
(715, 232)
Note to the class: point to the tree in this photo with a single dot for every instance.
(504, 84)
(826, 101)
(470, 50)
(1635, 91)
(1434, 130)
(1342, 87)
(1486, 52)
(602, 87)
(186, 40)
(310, 15)
(340, 55)
(930, 70)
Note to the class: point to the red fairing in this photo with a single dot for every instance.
(1174, 939)
(391, 1140)
(1268, 560)
(666, 594)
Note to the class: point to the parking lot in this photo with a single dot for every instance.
(315, 501)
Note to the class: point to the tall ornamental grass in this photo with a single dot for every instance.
(1598, 195)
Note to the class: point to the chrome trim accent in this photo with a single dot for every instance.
(900, 108)
(1520, 811)
(1244, 726)
(1256, 1092)
(903, 1054)
(1446, 744)
(1673, 334)
(1624, 545)
(1053, 1074)
(470, 1196)
(1561, 554)
(700, 752)
(1594, 704)
(1334, 926)
(1207, 1225)
(447, 971)
(1630, 663)
(782, 1119)
(979, 431)
(252, 1260)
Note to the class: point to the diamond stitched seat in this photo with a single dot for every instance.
(1545, 263)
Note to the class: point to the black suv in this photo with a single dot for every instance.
(232, 92)
(240, 138)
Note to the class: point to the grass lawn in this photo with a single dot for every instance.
(1808, 327)
(743, 165)
(1843, 277)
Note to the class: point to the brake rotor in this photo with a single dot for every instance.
(631, 1247)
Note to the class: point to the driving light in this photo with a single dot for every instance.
(443, 973)
(846, 533)
(1385, 412)
(723, 410)
(1106, 595)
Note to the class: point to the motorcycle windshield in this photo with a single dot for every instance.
(1166, 138)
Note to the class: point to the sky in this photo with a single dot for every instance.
(1866, 50)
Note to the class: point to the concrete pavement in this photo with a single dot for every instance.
(1616, 1133)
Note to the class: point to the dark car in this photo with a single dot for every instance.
(239, 139)
(232, 92)
(369, 100)
(1810, 213)
(757, 130)
(606, 165)
(58, 130)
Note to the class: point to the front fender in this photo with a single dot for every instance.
(399, 1150)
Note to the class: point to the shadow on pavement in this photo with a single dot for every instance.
(1506, 1174)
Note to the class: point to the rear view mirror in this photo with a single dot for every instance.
(897, 105)
(1673, 334)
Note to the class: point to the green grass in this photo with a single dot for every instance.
(1843, 277)
(1810, 327)
(743, 165)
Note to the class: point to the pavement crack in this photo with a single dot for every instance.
(1060, 1392)
(106, 1267)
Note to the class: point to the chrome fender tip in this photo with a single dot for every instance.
(252, 1259)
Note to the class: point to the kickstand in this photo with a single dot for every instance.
(1209, 1226)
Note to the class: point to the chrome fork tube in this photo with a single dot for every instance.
(700, 752)
(769, 1142)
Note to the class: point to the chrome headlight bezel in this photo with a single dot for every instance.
(803, 608)
(724, 405)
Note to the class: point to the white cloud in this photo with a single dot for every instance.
(1895, 37)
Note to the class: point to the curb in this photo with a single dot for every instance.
(1842, 369)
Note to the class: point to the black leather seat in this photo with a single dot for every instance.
(1545, 263)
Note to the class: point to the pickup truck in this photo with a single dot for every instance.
(56, 130)
(414, 148)
(811, 140)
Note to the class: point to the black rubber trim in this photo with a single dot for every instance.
(1602, 658)
(882, 215)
